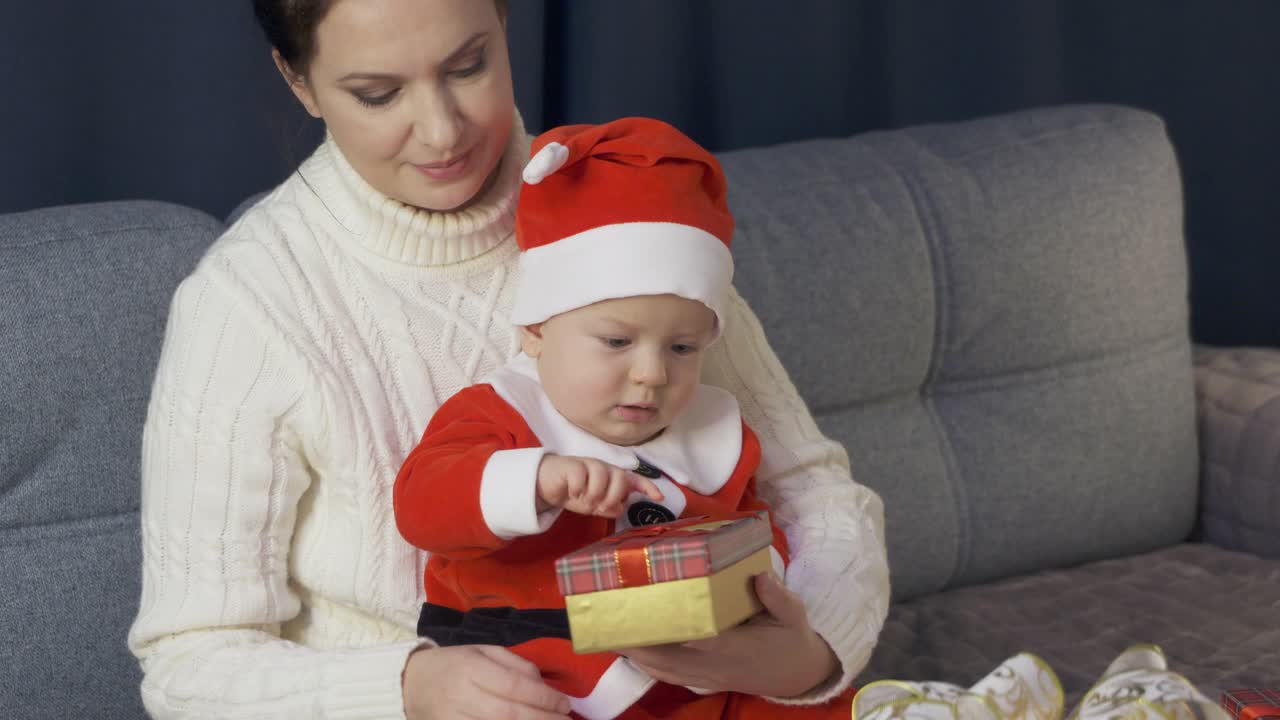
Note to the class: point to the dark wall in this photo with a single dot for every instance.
(178, 101)
(134, 99)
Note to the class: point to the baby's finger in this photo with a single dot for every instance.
(607, 511)
(575, 482)
(618, 490)
(642, 484)
(597, 483)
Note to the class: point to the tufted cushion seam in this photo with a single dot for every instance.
(75, 236)
(1168, 344)
(17, 535)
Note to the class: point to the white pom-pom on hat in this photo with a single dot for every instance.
(548, 160)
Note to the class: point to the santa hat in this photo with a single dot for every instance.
(631, 207)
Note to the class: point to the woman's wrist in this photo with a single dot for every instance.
(408, 678)
(830, 665)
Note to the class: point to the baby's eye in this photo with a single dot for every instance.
(683, 349)
(615, 342)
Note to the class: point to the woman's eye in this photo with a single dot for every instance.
(375, 100)
(615, 342)
(469, 70)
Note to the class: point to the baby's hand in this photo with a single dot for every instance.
(588, 486)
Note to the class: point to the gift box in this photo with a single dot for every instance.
(1252, 703)
(672, 582)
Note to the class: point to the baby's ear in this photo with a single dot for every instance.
(531, 340)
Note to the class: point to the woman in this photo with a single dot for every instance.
(307, 352)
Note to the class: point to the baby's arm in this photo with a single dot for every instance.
(588, 486)
(470, 485)
(479, 479)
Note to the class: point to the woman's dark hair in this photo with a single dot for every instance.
(290, 27)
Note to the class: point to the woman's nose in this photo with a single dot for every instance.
(437, 122)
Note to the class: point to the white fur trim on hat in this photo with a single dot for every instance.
(623, 260)
(548, 160)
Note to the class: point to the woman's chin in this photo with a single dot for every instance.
(440, 200)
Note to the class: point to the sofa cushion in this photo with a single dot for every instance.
(1002, 344)
(1215, 613)
(72, 592)
(84, 292)
(1238, 401)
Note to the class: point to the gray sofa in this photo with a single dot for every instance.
(991, 316)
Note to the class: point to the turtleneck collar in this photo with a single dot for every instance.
(412, 235)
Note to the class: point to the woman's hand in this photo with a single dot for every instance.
(477, 681)
(775, 653)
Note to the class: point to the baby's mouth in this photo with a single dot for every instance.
(638, 412)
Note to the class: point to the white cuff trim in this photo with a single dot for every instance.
(509, 494)
(700, 691)
(618, 689)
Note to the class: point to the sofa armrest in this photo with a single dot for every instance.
(1238, 409)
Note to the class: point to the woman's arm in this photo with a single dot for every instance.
(221, 481)
(834, 526)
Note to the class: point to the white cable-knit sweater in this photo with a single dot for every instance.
(302, 361)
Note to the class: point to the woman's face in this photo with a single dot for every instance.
(416, 93)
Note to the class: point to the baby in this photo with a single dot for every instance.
(600, 424)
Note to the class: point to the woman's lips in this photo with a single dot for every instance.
(446, 170)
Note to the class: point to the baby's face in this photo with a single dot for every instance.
(623, 369)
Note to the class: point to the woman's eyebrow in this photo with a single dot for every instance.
(463, 49)
(368, 76)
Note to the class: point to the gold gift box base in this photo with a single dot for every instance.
(676, 611)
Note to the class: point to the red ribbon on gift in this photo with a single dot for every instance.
(1252, 703)
(631, 557)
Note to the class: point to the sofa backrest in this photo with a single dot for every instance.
(84, 292)
(992, 318)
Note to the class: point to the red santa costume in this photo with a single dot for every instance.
(623, 209)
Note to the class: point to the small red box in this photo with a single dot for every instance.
(688, 548)
(1252, 703)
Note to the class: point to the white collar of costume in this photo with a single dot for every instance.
(700, 450)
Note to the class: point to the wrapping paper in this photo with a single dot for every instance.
(1252, 703)
(671, 582)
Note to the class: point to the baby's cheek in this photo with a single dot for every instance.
(679, 397)
(592, 392)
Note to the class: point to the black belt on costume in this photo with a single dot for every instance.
(502, 626)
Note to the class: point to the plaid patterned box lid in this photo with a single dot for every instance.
(687, 548)
(1252, 703)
